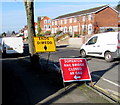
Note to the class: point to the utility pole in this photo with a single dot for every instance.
(29, 6)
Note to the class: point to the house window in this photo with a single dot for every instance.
(84, 18)
(49, 21)
(89, 17)
(70, 29)
(53, 30)
(75, 20)
(52, 23)
(65, 21)
(75, 28)
(90, 29)
(49, 26)
(56, 30)
(65, 29)
(45, 21)
(61, 21)
(61, 28)
(83, 27)
(70, 20)
(55, 22)
(45, 26)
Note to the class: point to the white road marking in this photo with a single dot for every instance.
(111, 82)
(106, 80)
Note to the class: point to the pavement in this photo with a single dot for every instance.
(76, 93)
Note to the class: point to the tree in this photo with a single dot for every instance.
(29, 6)
(3, 34)
(13, 32)
(38, 28)
(118, 7)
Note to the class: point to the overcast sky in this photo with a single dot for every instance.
(13, 16)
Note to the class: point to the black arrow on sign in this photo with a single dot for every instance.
(45, 47)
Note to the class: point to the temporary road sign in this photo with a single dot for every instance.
(44, 44)
(74, 69)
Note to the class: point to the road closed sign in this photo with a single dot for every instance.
(74, 69)
(44, 44)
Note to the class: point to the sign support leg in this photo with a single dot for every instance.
(48, 58)
(92, 83)
(64, 85)
(40, 58)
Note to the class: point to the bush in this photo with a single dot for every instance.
(47, 33)
(40, 35)
(76, 35)
(59, 32)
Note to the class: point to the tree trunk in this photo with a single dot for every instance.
(29, 6)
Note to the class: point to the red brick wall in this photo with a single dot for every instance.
(42, 23)
(107, 18)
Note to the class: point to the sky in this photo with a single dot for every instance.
(13, 15)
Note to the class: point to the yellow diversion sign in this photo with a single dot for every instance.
(44, 44)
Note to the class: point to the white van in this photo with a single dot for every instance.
(105, 45)
(10, 45)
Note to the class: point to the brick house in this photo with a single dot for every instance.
(87, 21)
(45, 23)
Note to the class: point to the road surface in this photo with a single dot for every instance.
(104, 75)
(27, 84)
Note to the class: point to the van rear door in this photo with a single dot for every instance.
(118, 45)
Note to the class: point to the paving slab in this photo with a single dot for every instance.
(76, 94)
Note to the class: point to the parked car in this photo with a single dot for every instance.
(105, 45)
(109, 30)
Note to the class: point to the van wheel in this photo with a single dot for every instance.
(108, 57)
(83, 53)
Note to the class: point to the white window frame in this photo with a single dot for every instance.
(61, 28)
(45, 27)
(52, 23)
(53, 30)
(65, 21)
(70, 20)
(56, 30)
(49, 26)
(90, 29)
(61, 21)
(55, 22)
(90, 17)
(70, 29)
(75, 19)
(75, 28)
(45, 21)
(65, 29)
(49, 21)
(84, 18)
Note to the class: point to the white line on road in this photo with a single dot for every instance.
(106, 80)
(111, 82)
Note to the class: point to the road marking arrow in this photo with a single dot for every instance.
(76, 77)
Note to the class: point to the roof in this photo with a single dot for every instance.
(83, 12)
